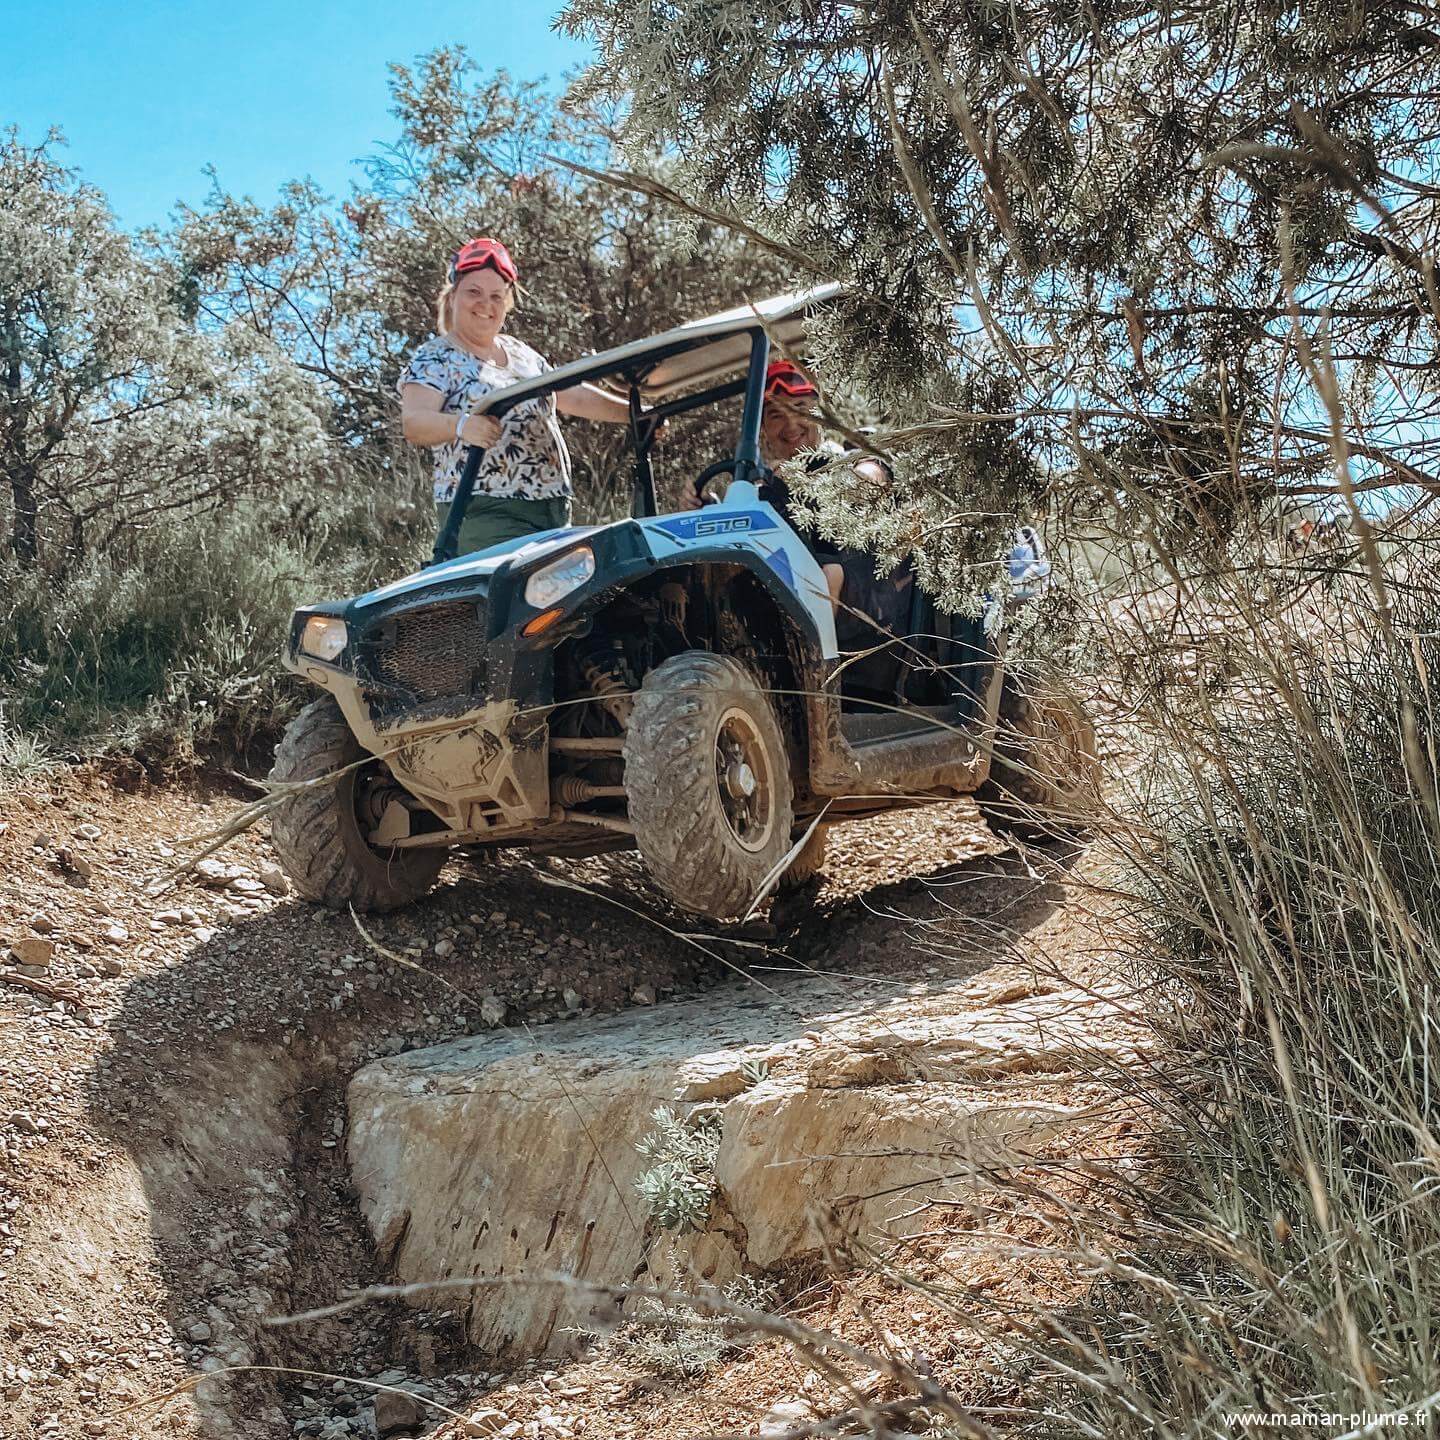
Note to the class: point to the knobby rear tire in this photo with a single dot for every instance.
(1044, 775)
(807, 864)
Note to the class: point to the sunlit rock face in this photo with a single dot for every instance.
(512, 1158)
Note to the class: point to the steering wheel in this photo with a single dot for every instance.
(709, 473)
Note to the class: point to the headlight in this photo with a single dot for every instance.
(556, 580)
(324, 637)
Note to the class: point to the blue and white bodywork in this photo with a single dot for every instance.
(744, 521)
(479, 564)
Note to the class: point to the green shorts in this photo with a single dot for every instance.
(494, 519)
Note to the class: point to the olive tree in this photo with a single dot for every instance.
(116, 409)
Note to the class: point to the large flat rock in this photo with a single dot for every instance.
(513, 1156)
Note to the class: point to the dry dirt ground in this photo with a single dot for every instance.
(172, 1073)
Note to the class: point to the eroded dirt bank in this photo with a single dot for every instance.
(174, 1072)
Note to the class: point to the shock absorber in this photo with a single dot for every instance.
(607, 675)
(674, 604)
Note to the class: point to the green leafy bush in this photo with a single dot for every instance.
(173, 643)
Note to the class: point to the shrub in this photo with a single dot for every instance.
(171, 644)
(21, 755)
(680, 1343)
(680, 1180)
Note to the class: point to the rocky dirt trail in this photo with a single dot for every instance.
(177, 1143)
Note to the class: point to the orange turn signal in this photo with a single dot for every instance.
(543, 621)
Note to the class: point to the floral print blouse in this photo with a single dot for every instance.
(530, 461)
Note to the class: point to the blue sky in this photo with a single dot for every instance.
(149, 92)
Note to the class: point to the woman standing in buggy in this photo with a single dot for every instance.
(523, 484)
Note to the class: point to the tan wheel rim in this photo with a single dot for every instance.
(744, 780)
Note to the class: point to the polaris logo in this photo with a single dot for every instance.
(722, 525)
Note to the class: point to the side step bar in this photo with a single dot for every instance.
(862, 729)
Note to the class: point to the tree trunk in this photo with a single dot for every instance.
(25, 530)
(25, 524)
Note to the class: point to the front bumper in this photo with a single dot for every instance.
(425, 684)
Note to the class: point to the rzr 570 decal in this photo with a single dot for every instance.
(702, 526)
(722, 525)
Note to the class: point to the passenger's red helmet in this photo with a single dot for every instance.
(783, 377)
(480, 254)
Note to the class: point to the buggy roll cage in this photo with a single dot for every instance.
(662, 369)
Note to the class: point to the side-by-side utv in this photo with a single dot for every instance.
(668, 682)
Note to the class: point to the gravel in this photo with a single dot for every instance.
(172, 1158)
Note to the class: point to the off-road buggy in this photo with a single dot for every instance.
(668, 682)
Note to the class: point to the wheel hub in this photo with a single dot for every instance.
(744, 778)
(377, 799)
(740, 780)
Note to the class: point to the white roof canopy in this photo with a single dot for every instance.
(697, 353)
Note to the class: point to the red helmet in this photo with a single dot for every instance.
(478, 254)
(783, 377)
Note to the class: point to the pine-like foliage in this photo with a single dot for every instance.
(1180, 254)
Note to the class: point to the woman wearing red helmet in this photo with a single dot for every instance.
(523, 484)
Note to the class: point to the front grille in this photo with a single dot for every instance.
(434, 652)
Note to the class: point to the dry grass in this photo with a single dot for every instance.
(1280, 840)
(1273, 1253)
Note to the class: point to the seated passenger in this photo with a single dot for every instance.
(864, 602)
(788, 426)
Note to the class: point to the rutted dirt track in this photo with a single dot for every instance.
(174, 1071)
